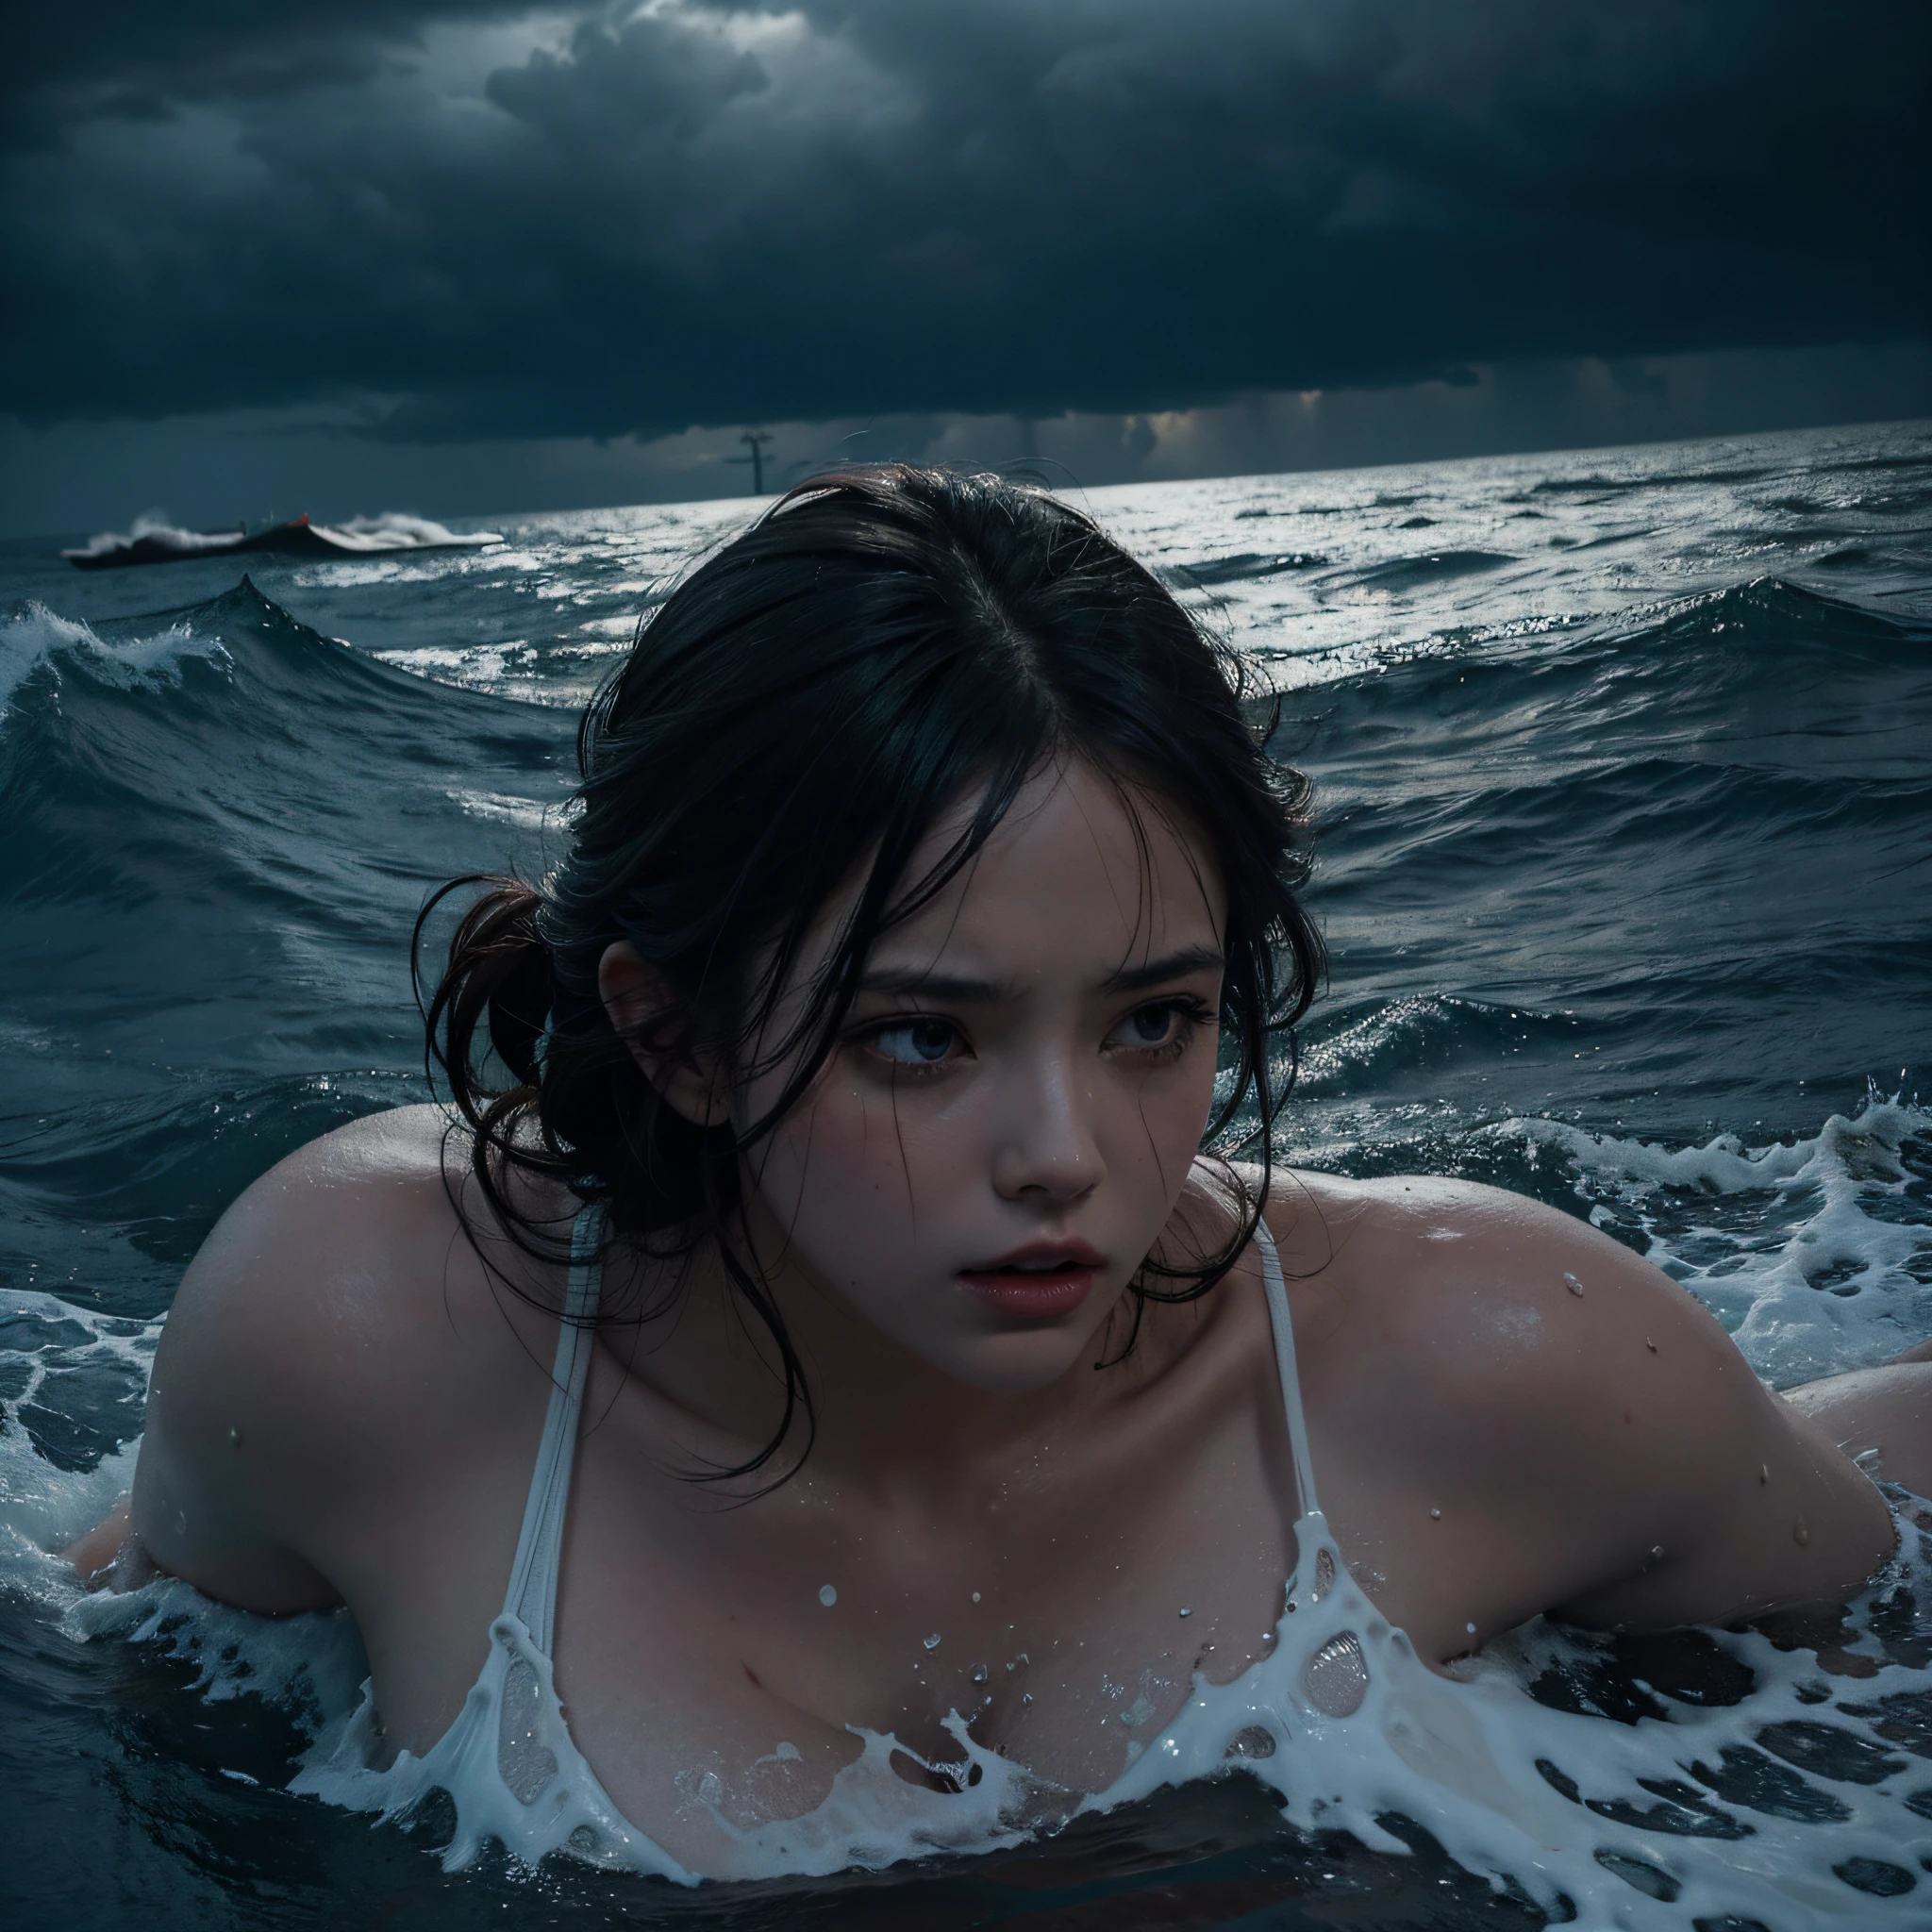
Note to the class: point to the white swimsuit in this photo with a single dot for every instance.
(515, 1775)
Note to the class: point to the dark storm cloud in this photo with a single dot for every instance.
(132, 59)
(487, 220)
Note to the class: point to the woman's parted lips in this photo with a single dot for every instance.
(1041, 1258)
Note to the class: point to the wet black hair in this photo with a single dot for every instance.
(883, 643)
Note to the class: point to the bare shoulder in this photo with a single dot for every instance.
(329, 1254)
(1498, 1278)
(1569, 1396)
(334, 1322)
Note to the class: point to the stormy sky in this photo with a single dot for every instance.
(466, 255)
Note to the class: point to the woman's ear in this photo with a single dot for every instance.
(643, 1009)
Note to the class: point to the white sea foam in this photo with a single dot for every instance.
(32, 635)
(391, 530)
(396, 530)
(1815, 1254)
(42, 1506)
(155, 524)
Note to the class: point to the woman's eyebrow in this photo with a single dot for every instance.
(1177, 965)
(938, 986)
(952, 986)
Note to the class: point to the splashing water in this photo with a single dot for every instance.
(1816, 1254)
(1733, 1774)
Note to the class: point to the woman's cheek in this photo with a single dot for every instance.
(845, 1171)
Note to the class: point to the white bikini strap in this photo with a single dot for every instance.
(1283, 1324)
(532, 1594)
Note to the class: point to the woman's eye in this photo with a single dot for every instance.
(1152, 1028)
(915, 1042)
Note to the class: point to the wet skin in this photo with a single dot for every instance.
(346, 1404)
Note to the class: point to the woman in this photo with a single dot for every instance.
(905, 1388)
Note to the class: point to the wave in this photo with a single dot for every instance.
(162, 531)
(1704, 833)
(397, 530)
(1378, 1045)
(251, 812)
(1247, 566)
(1766, 672)
(119, 1192)
(154, 541)
(232, 717)
(1428, 567)
(1772, 612)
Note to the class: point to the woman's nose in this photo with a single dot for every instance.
(1047, 1144)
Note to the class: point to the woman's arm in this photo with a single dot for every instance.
(1880, 1417)
(102, 1554)
(225, 1393)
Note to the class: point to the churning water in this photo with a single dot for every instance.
(1625, 776)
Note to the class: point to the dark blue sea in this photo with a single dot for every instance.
(1624, 769)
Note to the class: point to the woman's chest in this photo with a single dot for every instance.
(728, 1662)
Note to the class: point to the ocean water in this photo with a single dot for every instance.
(1624, 769)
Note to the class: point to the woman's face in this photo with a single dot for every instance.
(1005, 1125)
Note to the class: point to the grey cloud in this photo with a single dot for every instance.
(63, 68)
(622, 84)
(686, 214)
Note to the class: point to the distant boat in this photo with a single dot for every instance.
(364, 537)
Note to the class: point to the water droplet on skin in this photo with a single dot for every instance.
(234, 1438)
(979, 1673)
(1185, 1611)
(932, 1642)
(1435, 1516)
(1656, 1553)
(1570, 1282)
(827, 1595)
(1650, 1344)
(1800, 1535)
(1470, 1628)
(1763, 1472)
(1025, 1697)
(975, 1596)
